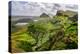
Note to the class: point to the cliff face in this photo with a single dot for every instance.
(66, 13)
(44, 15)
(73, 16)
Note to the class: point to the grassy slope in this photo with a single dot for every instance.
(22, 35)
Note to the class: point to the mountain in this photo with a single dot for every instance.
(24, 20)
(66, 13)
(44, 15)
(74, 18)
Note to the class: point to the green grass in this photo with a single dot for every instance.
(49, 34)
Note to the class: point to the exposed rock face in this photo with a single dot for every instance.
(44, 15)
(60, 13)
(66, 13)
(74, 18)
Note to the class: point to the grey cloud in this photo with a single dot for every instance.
(35, 8)
(72, 6)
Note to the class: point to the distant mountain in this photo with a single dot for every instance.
(16, 18)
(44, 15)
(24, 20)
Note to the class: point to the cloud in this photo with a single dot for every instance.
(23, 8)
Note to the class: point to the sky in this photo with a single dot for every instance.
(23, 8)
